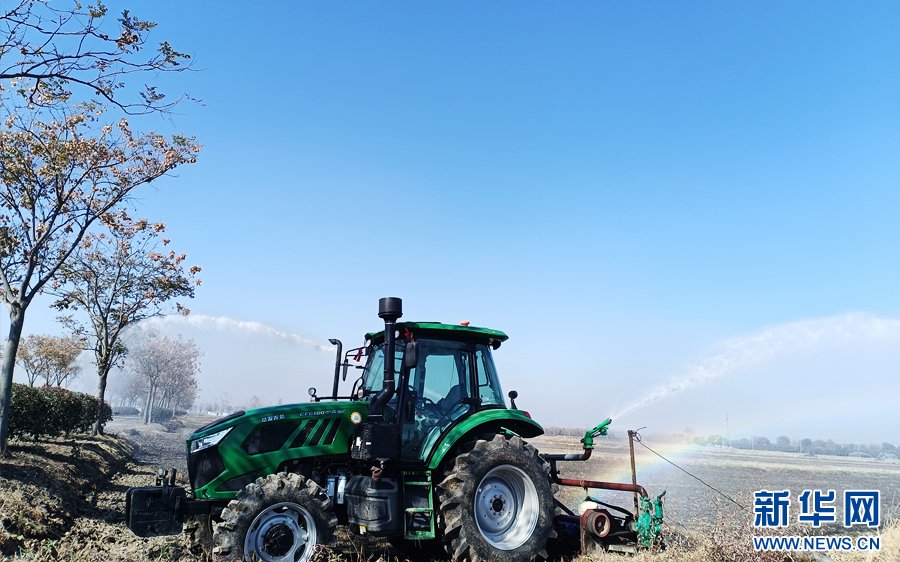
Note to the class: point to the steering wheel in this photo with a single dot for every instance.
(427, 404)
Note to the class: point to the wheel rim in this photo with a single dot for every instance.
(506, 507)
(284, 532)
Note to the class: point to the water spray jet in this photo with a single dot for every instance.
(778, 340)
(224, 323)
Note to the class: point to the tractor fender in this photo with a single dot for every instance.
(486, 421)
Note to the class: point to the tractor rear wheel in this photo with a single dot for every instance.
(497, 503)
(281, 517)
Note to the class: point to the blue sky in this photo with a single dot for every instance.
(620, 186)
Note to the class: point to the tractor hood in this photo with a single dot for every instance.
(231, 452)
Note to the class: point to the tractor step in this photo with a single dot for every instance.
(418, 521)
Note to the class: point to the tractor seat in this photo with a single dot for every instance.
(450, 401)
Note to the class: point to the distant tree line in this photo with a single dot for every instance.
(565, 431)
(226, 404)
(782, 443)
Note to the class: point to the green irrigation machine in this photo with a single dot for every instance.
(423, 452)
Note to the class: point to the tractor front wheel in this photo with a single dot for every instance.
(198, 531)
(497, 503)
(281, 517)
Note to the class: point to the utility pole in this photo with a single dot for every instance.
(727, 431)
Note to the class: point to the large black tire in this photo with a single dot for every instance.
(497, 503)
(280, 517)
(198, 532)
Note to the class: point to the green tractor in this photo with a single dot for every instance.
(424, 452)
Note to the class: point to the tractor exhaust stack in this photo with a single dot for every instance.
(389, 309)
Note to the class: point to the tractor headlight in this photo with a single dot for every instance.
(209, 440)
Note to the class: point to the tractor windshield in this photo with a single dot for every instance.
(489, 390)
(373, 375)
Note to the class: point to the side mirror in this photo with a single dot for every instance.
(512, 398)
(411, 356)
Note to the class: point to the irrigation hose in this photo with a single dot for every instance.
(637, 437)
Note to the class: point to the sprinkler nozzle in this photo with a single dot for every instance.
(589, 435)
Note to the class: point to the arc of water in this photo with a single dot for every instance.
(784, 338)
(224, 323)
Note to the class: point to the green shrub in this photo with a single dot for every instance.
(64, 410)
(88, 417)
(51, 411)
(160, 415)
(127, 411)
(107, 412)
(27, 412)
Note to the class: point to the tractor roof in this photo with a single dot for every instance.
(455, 331)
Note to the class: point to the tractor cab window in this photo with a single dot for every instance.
(438, 384)
(488, 384)
(442, 376)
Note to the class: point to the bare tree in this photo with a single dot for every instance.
(129, 388)
(182, 393)
(50, 357)
(30, 360)
(57, 47)
(57, 179)
(118, 278)
(169, 368)
(59, 169)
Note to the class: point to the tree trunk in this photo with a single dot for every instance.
(163, 400)
(148, 411)
(16, 323)
(101, 392)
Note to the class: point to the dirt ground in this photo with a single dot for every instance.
(158, 445)
(58, 506)
(78, 513)
(55, 508)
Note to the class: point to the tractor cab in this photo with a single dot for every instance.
(451, 376)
